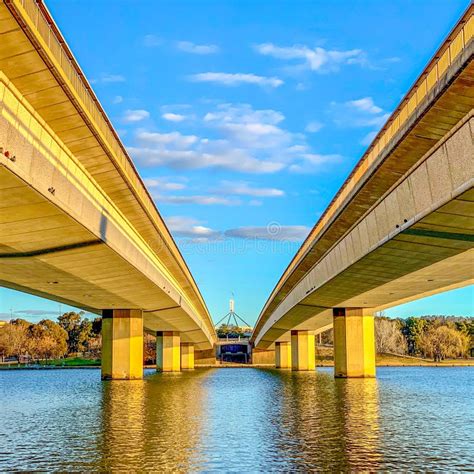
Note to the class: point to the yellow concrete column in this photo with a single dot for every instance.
(283, 355)
(354, 342)
(187, 356)
(168, 351)
(302, 350)
(122, 344)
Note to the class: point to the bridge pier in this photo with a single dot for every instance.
(302, 350)
(282, 355)
(122, 344)
(354, 342)
(168, 351)
(187, 356)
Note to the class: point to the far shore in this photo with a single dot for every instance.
(382, 360)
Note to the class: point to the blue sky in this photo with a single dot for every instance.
(244, 118)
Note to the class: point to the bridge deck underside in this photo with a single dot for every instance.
(36, 59)
(407, 267)
(47, 253)
(446, 105)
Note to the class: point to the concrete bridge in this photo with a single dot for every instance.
(76, 222)
(400, 228)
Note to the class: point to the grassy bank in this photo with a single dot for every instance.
(68, 362)
(325, 357)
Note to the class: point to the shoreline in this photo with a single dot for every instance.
(246, 366)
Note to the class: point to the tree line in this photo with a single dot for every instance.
(435, 337)
(46, 340)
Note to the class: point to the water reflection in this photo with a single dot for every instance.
(122, 442)
(333, 425)
(153, 423)
(237, 420)
(357, 402)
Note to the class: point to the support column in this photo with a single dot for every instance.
(283, 355)
(187, 356)
(354, 342)
(122, 344)
(168, 353)
(302, 350)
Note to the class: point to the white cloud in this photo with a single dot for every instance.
(363, 113)
(193, 229)
(275, 232)
(175, 139)
(118, 99)
(222, 157)
(189, 47)
(106, 78)
(314, 59)
(171, 117)
(244, 140)
(163, 184)
(150, 41)
(245, 189)
(243, 113)
(368, 139)
(255, 202)
(202, 200)
(237, 79)
(313, 162)
(256, 129)
(181, 226)
(366, 104)
(135, 115)
(314, 126)
(36, 312)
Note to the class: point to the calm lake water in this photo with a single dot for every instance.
(237, 420)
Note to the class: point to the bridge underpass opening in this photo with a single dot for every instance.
(237, 352)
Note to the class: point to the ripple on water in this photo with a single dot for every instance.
(237, 420)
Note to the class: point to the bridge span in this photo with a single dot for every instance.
(401, 227)
(77, 224)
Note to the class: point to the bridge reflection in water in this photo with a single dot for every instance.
(202, 420)
(237, 420)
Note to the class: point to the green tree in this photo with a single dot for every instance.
(413, 329)
(440, 342)
(14, 340)
(230, 330)
(149, 349)
(97, 327)
(48, 340)
(78, 330)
